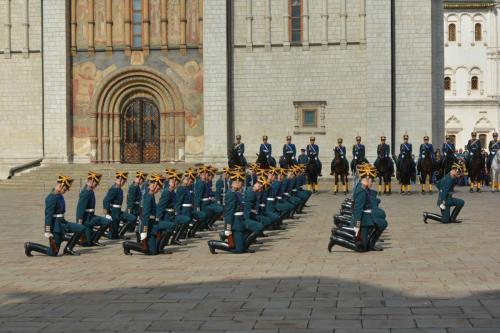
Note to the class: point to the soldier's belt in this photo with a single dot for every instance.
(170, 210)
(205, 199)
(89, 210)
(279, 198)
(262, 205)
(116, 206)
(137, 202)
(294, 190)
(271, 199)
(287, 194)
(58, 215)
(152, 217)
(254, 211)
(238, 214)
(187, 205)
(367, 211)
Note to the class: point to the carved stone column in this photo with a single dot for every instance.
(324, 18)
(127, 22)
(116, 137)
(109, 26)
(164, 25)
(200, 25)
(145, 26)
(286, 23)
(182, 27)
(7, 30)
(73, 27)
(343, 24)
(362, 18)
(267, 19)
(305, 25)
(91, 25)
(249, 19)
(26, 27)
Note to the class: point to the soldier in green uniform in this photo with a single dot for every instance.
(85, 212)
(149, 229)
(134, 194)
(185, 201)
(445, 199)
(236, 230)
(112, 204)
(222, 185)
(253, 212)
(55, 223)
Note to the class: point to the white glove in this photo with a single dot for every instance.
(228, 233)
(357, 227)
(144, 235)
(108, 217)
(442, 206)
(48, 235)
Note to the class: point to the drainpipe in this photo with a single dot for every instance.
(393, 76)
(230, 82)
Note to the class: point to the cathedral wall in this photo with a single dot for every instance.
(21, 135)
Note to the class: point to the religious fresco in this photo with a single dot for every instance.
(192, 21)
(186, 71)
(82, 17)
(155, 22)
(118, 22)
(100, 23)
(173, 15)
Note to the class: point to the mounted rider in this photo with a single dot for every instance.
(474, 147)
(358, 154)
(493, 147)
(425, 147)
(406, 150)
(267, 149)
(239, 147)
(341, 150)
(312, 150)
(289, 150)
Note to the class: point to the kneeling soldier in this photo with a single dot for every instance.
(445, 199)
(85, 212)
(239, 235)
(55, 224)
(149, 230)
(113, 206)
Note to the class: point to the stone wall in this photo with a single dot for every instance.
(21, 137)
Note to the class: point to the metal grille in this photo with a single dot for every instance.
(141, 132)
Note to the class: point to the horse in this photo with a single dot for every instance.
(385, 169)
(234, 159)
(476, 170)
(438, 169)
(405, 171)
(286, 161)
(263, 162)
(312, 175)
(447, 162)
(495, 172)
(426, 169)
(338, 168)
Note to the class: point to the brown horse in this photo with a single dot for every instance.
(476, 170)
(339, 169)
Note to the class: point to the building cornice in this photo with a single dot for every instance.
(470, 5)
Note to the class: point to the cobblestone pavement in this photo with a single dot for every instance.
(429, 278)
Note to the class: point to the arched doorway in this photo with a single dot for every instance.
(140, 132)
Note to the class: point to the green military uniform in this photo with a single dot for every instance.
(112, 204)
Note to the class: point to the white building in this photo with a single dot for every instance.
(472, 67)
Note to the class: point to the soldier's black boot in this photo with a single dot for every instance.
(454, 214)
(345, 234)
(127, 227)
(375, 236)
(28, 247)
(431, 216)
(177, 237)
(127, 246)
(98, 234)
(71, 244)
(335, 240)
(192, 232)
(165, 237)
(251, 240)
(217, 245)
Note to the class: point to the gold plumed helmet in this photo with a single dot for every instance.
(367, 170)
(226, 170)
(263, 181)
(169, 170)
(65, 180)
(121, 174)
(157, 179)
(190, 173)
(174, 175)
(91, 175)
(457, 167)
(339, 140)
(235, 176)
(141, 174)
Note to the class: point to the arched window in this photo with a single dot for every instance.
(478, 32)
(474, 83)
(137, 23)
(447, 83)
(295, 21)
(452, 32)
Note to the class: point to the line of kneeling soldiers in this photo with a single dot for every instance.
(361, 221)
(248, 203)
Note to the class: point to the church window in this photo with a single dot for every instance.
(474, 83)
(478, 32)
(452, 32)
(137, 23)
(309, 118)
(447, 83)
(295, 21)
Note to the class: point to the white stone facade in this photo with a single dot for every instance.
(472, 51)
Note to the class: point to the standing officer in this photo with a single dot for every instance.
(493, 147)
(266, 149)
(290, 151)
(342, 152)
(148, 227)
(303, 159)
(358, 154)
(312, 150)
(474, 147)
(85, 211)
(445, 199)
(113, 206)
(240, 149)
(55, 224)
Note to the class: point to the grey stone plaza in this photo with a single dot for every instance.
(429, 278)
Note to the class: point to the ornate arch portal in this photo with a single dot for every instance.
(117, 92)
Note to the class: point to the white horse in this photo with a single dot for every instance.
(495, 172)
